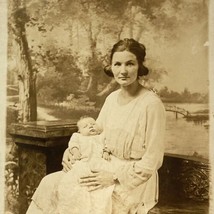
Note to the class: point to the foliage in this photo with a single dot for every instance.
(11, 189)
(61, 78)
(185, 96)
(11, 186)
(69, 40)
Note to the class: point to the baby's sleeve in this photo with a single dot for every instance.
(74, 141)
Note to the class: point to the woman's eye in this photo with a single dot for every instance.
(130, 64)
(117, 64)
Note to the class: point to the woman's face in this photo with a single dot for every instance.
(125, 67)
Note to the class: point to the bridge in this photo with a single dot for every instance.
(177, 110)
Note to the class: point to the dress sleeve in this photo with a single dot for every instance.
(74, 141)
(134, 174)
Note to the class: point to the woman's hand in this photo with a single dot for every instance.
(97, 180)
(67, 160)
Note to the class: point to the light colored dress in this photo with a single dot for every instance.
(134, 133)
(74, 199)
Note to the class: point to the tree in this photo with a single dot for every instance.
(186, 95)
(62, 77)
(85, 30)
(26, 73)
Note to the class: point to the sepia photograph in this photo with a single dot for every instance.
(106, 106)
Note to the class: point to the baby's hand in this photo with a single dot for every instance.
(76, 153)
(106, 155)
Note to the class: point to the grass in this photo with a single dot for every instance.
(64, 112)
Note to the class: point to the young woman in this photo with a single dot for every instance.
(133, 119)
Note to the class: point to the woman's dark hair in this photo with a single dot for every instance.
(134, 47)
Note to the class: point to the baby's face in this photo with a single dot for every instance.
(87, 126)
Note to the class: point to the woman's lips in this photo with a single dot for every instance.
(123, 78)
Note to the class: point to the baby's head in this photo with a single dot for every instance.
(87, 126)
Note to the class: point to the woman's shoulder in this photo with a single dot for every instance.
(151, 103)
(113, 95)
(149, 97)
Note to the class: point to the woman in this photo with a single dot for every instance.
(133, 119)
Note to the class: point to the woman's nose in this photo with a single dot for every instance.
(123, 69)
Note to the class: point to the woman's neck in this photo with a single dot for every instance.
(129, 93)
(131, 90)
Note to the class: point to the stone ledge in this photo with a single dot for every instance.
(43, 133)
(44, 129)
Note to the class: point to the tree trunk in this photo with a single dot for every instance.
(120, 32)
(26, 75)
(131, 21)
(139, 33)
(93, 84)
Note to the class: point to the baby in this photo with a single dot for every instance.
(89, 154)
(88, 142)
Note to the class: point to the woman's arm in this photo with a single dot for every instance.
(134, 174)
(154, 142)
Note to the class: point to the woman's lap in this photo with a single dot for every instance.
(45, 196)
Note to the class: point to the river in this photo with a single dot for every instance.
(187, 137)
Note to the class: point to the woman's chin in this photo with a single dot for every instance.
(126, 82)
